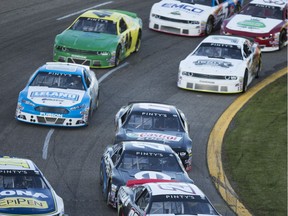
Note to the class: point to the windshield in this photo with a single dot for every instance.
(150, 161)
(181, 205)
(31, 181)
(87, 24)
(263, 11)
(153, 121)
(222, 51)
(58, 80)
(201, 2)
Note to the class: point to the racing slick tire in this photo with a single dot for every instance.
(282, 39)
(101, 177)
(138, 42)
(209, 26)
(117, 55)
(258, 68)
(107, 195)
(245, 81)
(120, 211)
(97, 100)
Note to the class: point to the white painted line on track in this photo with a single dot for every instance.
(51, 131)
(82, 11)
(112, 71)
(46, 144)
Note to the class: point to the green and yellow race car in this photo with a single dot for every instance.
(99, 38)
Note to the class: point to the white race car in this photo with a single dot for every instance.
(25, 191)
(191, 17)
(221, 64)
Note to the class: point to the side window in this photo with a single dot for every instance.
(87, 79)
(122, 25)
(143, 200)
(116, 155)
(247, 50)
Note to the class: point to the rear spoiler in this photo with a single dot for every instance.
(131, 183)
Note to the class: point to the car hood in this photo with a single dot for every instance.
(27, 201)
(174, 139)
(126, 175)
(86, 40)
(54, 96)
(247, 23)
(211, 66)
(177, 10)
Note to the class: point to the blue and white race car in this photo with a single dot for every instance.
(25, 191)
(155, 122)
(138, 160)
(191, 17)
(59, 94)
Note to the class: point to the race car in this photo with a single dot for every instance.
(59, 94)
(157, 122)
(99, 38)
(145, 198)
(265, 21)
(220, 64)
(25, 191)
(191, 17)
(137, 160)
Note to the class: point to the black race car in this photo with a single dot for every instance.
(144, 198)
(155, 122)
(138, 160)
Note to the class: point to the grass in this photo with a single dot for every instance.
(255, 151)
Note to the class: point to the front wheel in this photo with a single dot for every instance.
(138, 42)
(282, 39)
(245, 81)
(117, 56)
(209, 26)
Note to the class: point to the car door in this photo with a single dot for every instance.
(92, 86)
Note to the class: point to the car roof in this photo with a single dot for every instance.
(103, 14)
(62, 67)
(223, 39)
(146, 146)
(174, 188)
(154, 107)
(270, 3)
(12, 163)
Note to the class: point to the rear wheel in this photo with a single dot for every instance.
(108, 192)
(258, 68)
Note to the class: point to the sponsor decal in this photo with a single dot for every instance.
(177, 188)
(251, 24)
(53, 115)
(154, 114)
(154, 136)
(151, 154)
(54, 94)
(22, 193)
(178, 196)
(176, 13)
(183, 7)
(22, 202)
(213, 63)
(151, 175)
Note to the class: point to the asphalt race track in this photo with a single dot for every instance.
(69, 158)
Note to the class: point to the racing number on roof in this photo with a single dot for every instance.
(181, 188)
(149, 145)
(279, 2)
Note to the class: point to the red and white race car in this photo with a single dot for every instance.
(263, 20)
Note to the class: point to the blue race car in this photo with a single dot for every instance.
(138, 160)
(156, 122)
(25, 191)
(59, 94)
